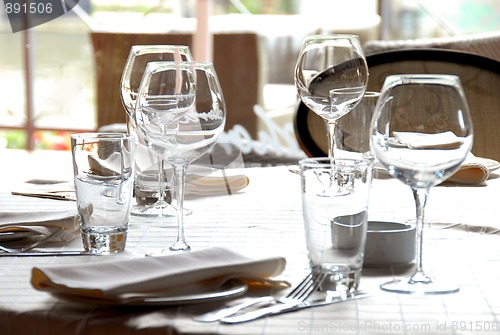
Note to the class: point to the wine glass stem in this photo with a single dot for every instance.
(330, 125)
(161, 202)
(420, 196)
(180, 182)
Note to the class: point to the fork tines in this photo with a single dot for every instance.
(308, 285)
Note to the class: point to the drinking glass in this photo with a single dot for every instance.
(421, 133)
(331, 76)
(335, 227)
(103, 177)
(180, 114)
(151, 181)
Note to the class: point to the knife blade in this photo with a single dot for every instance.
(286, 308)
(47, 253)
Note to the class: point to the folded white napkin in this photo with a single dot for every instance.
(60, 225)
(472, 171)
(197, 271)
(201, 183)
(445, 140)
(215, 185)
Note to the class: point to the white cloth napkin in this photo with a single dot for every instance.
(204, 183)
(472, 171)
(58, 225)
(215, 185)
(197, 271)
(445, 140)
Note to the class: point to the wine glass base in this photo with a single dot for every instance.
(176, 248)
(180, 246)
(409, 286)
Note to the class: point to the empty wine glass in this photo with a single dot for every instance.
(150, 169)
(171, 125)
(331, 76)
(421, 133)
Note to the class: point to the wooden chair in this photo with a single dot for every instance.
(236, 60)
(480, 77)
(484, 44)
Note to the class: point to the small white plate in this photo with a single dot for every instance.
(231, 289)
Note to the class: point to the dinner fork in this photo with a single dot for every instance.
(301, 292)
(28, 246)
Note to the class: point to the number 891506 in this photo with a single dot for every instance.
(31, 8)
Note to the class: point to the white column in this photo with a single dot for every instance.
(202, 38)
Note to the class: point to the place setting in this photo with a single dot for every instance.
(178, 115)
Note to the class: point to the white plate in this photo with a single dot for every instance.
(231, 289)
(491, 164)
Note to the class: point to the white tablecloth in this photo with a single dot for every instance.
(462, 243)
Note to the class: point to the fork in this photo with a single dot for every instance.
(303, 290)
(285, 304)
(28, 246)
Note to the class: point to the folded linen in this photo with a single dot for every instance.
(445, 140)
(214, 185)
(472, 171)
(196, 185)
(197, 271)
(60, 225)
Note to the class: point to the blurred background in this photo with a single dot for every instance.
(48, 73)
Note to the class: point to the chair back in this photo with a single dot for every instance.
(236, 60)
(480, 77)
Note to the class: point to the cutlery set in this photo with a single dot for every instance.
(295, 300)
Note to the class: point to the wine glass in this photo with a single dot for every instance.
(331, 76)
(421, 133)
(171, 125)
(150, 169)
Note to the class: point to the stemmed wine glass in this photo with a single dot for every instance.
(138, 58)
(331, 76)
(180, 114)
(421, 133)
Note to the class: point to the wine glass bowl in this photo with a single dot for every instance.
(135, 65)
(180, 114)
(331, 76)
(421, 133)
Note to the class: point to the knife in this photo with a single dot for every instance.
(48, 253)
(286, 308)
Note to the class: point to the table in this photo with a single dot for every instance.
(264, 219)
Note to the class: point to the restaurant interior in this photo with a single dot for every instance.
(262, 217)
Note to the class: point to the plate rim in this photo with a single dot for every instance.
(230, 289)
(491, 164)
